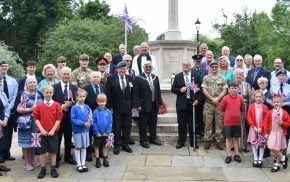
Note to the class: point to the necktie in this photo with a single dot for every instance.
(187, 86)
(97, 87)
(255, 74)
(47, 103)
(6, 87)
(151, 86)
(281, 88)
(65, 93)
(123, 83)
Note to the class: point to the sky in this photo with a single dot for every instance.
(152, 15)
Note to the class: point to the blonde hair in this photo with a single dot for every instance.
(45, 67)
(262, 79)
(47, 87)
(227, 60)
(81, 91)
(258, 92)
(102, 97)
(26, 82)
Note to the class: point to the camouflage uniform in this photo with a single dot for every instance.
(215, 86)
(81, 78)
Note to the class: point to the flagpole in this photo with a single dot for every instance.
(125, 37)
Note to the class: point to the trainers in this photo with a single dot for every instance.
(53, 172)
(98, 163)
(207, 146)
(228, 159)
(42, 173)
(220, 145)
(237, 158)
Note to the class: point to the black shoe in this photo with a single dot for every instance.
(275, 168)
(70, 161)
(228, 159)
(4, 169)
(53, 172)
(179, 146)
(155, 142)
(85, 168)
(9, 158)
(89, 158)
(144, 144)
(255, 163)
(42, 173)
(106, 162)
(285, 163)
(127, 149)
(80, 169)
(196, 145)
(116, 150)
(260, 164)
(1, 159)
(72, 145)
(131, 142)
(237, 158)
(98, 163)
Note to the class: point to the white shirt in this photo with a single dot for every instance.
(188, 76)
(143, 60)
(120, 80)
(50, 102)
(62, 87)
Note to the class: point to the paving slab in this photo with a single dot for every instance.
(127, 160)
(158, 160)
(214, 161)
(158, 150)
(174, 173)
(195, 161)
(245, 174)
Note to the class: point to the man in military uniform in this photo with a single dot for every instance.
(101, 67)
(60, 62)
(214, 87)
(81, 75)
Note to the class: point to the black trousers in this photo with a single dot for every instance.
(199, 124)
(122, 124)
(66, 131)
(6, 140)
(185, 124)
(148, 119)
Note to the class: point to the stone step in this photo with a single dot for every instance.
(170, 117)
(161, 127)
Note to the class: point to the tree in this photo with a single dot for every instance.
(95, 10)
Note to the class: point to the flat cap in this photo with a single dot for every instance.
(213, 62)
(197, 57)
(281, 71)
(84, 57)
(121, 64)
(101, 60)
(2, 61)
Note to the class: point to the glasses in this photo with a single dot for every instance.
(239, 60)
(214, 67)
(148, 66)
(127, 60)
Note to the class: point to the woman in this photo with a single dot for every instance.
(49, 72)
(244, 90)
(239, 63)
(225, 70)
(26, 126)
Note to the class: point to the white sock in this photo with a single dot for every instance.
(83, 156)
(277, 164)
(283, 158)
(255, 153)
(261, 153)
(78, 157)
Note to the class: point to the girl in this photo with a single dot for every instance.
(81, 118)
(275, 124)
(257, 111)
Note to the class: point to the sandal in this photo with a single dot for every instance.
(255, 163)
(275, 168)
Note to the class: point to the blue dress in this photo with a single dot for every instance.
(25, 135)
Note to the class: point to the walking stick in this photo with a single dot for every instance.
(193, 124)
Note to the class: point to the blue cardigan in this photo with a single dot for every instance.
(79, 118)
(102, 121)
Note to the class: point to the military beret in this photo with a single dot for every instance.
(213, 62)
(61, 59)
(101, 60)
(3, 62)
(84, 57)
(121, 64)
(197, 57)
(281, 71)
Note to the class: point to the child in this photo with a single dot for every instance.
(102, 128)
(81, 119)
(47, 115)
(275, 124)
(263, 84)
(256, 113)
(232, 105)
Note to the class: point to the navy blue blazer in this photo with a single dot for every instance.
(199, 71)
(91, 99)
(254, 81)
(117, 58)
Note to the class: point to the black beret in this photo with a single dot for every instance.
(121, 64)
(101, 60)
(281, 71)
(197, 57)
(3, 62)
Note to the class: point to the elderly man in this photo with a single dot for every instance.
(214, 87)
(202, 49)
(248, 58)
(136, 50)
(60, 63)
(128, 59)
(278, 65)
(258, 71)
(226, 52)
(110, 67)
(101, 67)
(139, 61)
(64, 93)
(208, 59)
(119, 57)
(9, 87)
(186, 86)
(121, 99)
(148, 100)
(81, 75)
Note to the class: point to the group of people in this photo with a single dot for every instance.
(231, 98)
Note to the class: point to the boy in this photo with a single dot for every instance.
(30, 68)
(232, 105)
(47, 115)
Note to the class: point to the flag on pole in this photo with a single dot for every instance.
(127, 19)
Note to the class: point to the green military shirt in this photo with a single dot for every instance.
(80, 77)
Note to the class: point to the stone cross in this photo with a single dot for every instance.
(173, 33)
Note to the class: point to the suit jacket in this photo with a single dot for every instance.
(144, 93)
(117, 58)
(253, 81)
(119, 101)
(181, 100)
(21, 82)
(112, 68)
(105, 77)
(91, 99)
(200, 71)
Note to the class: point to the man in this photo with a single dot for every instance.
(202, 49)
(202, 72)
(81, 75)
(248, 62)
(93, 89)
(186, 86)
(121, 100)
(226, 52)
(278, 65)
(136, 50)
(148, 98)
(101, 67)
(208, 59)
(64, 93)
(258, 71)
(138, 61)
(119, 57)
(9, 87)
(110, 67)
(30, 69)
(214, 87)
(128, 59)
(60, 62)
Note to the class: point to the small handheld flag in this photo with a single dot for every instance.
(110, 141)
(36, 140)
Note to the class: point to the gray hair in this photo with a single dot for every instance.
(29, 79)
(45, 67)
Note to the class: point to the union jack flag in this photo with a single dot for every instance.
(70, 96)
(90, 117)
(194, 87)
(127, 20)
(24, 101)
(259, 142)
(36, 139)
(110, 141)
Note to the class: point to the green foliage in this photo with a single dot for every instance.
(15, 69)
(75, 37)
(213, 44)
(95, 10)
